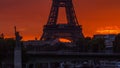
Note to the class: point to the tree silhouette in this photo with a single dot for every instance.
(116, 44)
(98, 45)
(87, 44)
(80, 44)
(6, 48)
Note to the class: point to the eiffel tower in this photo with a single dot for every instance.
(71, 31)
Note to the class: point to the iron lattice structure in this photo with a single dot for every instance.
(72, 30)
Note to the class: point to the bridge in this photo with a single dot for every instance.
(36, 58)
(73, 55)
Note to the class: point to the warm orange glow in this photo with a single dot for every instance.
(30, 16)
(64, 40)
(109, 30)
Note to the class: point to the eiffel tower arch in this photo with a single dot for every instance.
(52, 30)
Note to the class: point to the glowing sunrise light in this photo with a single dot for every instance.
(64, 40)
(109, 30)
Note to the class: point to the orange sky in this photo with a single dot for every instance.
(30, 15)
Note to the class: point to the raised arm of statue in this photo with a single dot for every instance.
(17, 35)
